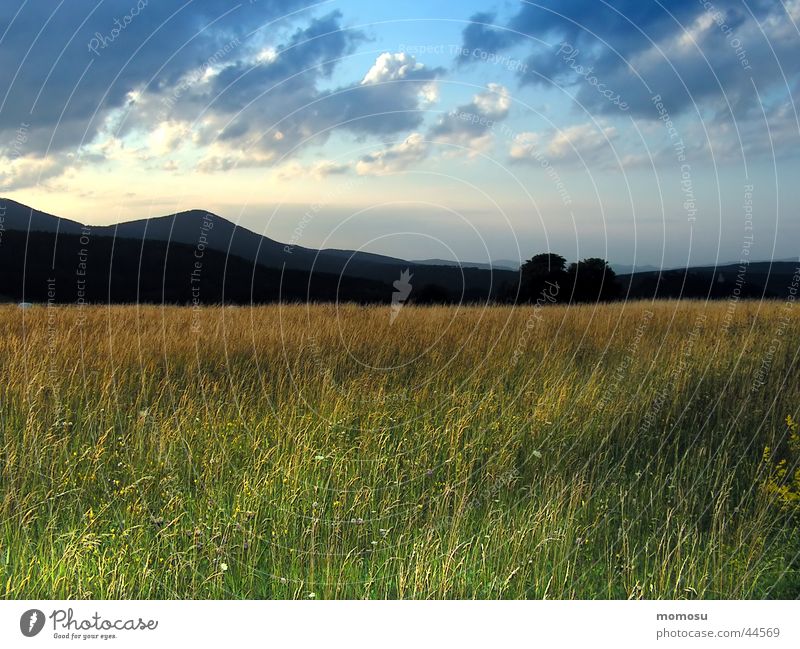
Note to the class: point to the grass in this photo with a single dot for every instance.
(320, 452)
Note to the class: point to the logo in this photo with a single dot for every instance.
(402, 289)
(31, 622)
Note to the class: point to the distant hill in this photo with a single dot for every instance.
(153, 260)
(235, 252)
(628, 269)
(754, 280)
(500, 264)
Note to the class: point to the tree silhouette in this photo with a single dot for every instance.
(542, 272)
(592, 280)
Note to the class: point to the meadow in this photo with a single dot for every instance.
(629, 450)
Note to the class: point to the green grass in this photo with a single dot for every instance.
(501, 453)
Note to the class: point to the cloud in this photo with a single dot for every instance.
(167, 137)
(219, 158)
(394, 158)
(318, 170)
(585, 143)
(237, 101)
(471, 126)
(74, 72)
(390, 67)
(65, 89)
(29, 172)
(688, 51)
(287, 111)
(401, 65)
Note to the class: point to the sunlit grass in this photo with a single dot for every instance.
(293, 451)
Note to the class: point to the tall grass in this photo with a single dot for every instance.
(297, 452)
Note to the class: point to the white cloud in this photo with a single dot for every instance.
(167, 137)
(391, 67)
(494, 102)
(29, 171)
(580, 141)
(471, 126)
(394, 158)
(320, 169)
(267, 55)
(222, 158)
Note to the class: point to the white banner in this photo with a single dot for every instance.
(382, 625)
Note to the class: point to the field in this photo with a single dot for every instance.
(321, 451)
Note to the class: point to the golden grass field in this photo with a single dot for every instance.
(615, 451)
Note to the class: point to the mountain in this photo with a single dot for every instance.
(237, 253)
(761, 279)
(197, 256)
(500, 264)
(21, 218)
(628, 269)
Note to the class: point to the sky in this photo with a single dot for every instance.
(643, 132)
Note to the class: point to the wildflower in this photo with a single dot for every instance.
(311, 595)
(223, 566)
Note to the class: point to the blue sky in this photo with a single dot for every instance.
(660, 133)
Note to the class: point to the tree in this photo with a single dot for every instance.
(592, 280)
(541, 272)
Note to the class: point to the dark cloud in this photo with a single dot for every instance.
(97, 75)
(471, 126)
(279, 105)
(50, 78)
(688, 51)
(482, 35)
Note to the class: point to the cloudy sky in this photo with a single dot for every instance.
(636, 130)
